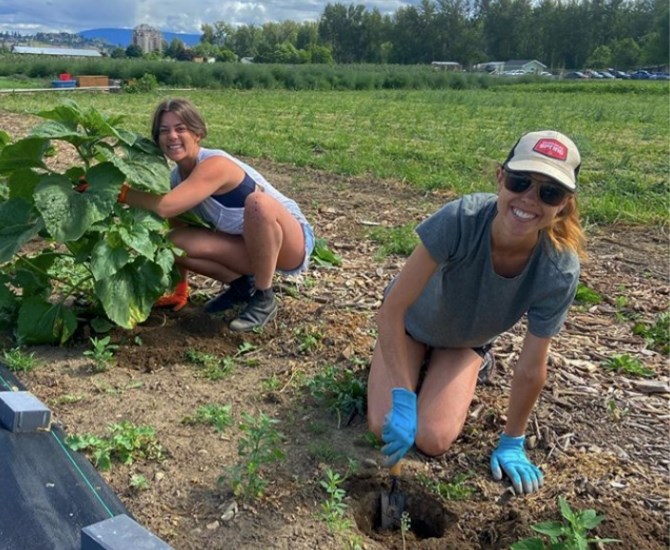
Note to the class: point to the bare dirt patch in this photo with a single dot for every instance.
(601, 438)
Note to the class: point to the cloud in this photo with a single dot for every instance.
(30, 16)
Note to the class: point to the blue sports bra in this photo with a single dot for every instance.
(235, 198)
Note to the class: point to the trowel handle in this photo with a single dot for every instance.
(395, 470)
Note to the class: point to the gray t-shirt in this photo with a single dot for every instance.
(466, 303)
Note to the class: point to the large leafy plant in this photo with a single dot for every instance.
(67, 255)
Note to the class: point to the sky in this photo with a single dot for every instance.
(32, 16)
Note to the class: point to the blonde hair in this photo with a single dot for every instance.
(566, 232)
(187, 113)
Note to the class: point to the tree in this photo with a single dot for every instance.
(625, 53)
(118, 53)
(134, 51)
(600, 58)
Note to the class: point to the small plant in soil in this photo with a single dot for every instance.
(569, 534)
(334, 509)
(400, 241)
(126, 444)
(139, 482)
(631, 366)
(19, 361)
(656, 334)
(213, 368)
(258, 447)
(102, 353)
(457, 489)
(324, 256)
(218, 416)
(405, 524)
(586, 296)
(340, 390)
(308, 341)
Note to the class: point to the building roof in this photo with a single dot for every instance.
(520, 63)
(69, 52)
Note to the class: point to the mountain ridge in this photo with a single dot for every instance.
(124, 37)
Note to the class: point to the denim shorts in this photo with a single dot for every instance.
(310, 241)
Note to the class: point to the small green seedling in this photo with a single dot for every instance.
(586, 296)
(257, 448)
(657, 334)
(139, 482)
(457, 489)
(19, 361)
(628, 365)
(570, 534)
(333, 509)
(218, 416)
(102, 353)
(308, 341)
(213, 368)
(341, 390)
(126, 444)
(400, 241)
(405, 524)
(324, 256)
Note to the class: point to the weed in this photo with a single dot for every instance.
(257, 448)
(372, 440)
(19, 361)
(102, 353)
(454, 490)
(570, 534)
(324, 256)
(218, 416)
(657, 334)
(405, 524)
(340, 390)
(126, 444)
(586, 296)
(69, 398)
(333, 509)
(631, 366)
(616, 413)
(308, 341)
(324, 452)
(139, 482)
(400, 240)
(213, 368)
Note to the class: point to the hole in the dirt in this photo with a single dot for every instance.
(428, 518)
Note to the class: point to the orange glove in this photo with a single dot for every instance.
(177, 299)
(83, 186)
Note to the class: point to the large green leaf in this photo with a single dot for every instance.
(22, 184)
(68, 214)
(4, 138)
(68, 113)
(59, 130)
(128, 296)
(138, 238)
(106, 259)
(40, 322)
(26, 153)
(145, 171)
(18, 224)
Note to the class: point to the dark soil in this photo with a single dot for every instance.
(600, 437)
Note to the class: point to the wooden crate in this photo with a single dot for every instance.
(86, 81)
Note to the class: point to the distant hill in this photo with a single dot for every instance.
(124, 37)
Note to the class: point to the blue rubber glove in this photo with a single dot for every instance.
(509, 457)
(399, 428)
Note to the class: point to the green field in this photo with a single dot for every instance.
(447, 139)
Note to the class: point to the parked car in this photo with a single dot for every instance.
(660, 76)
(576, 75)
(594, 74)
(620, 74)
(640, 75)
(608, 75)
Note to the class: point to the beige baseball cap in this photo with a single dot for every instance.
(547, 152)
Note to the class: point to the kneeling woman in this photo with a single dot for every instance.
(257, 230)
(484, 261)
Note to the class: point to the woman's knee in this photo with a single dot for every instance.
(258, 207)
(435, 442)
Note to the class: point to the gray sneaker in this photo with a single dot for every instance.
(260, 310)
(487, 369)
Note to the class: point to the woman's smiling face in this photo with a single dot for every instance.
(175, 139)
(524, 213)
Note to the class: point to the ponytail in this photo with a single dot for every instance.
(566, 233)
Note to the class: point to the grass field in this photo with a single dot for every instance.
(448, 139)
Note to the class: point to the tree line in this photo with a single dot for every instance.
(563, 34)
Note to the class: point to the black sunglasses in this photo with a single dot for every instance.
(519, 182)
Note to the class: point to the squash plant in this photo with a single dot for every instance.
(124, 260)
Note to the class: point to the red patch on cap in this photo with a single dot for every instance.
(551, 148)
